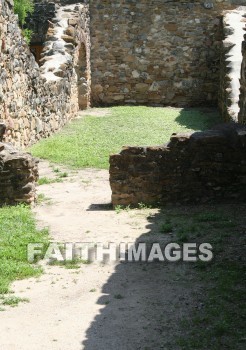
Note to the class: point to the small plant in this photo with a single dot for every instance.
(22, 8)
(43, 199)
(120, 208)
(14, 301)
(27, 33)
(144, 206)
(47, 181)
(56, 170)
(93, 290)
(209, 216)
(63, 175)
(182, 236)
(166, 227)
(69, 264)
(118, 296)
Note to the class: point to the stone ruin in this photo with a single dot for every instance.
(97, 53)
(18, 174)
(191, 168)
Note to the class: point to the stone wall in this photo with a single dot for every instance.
(35, 102)
(231, 62)
(242, 113)
(195, 168)
(38, 21)
(156, 52)
(18, 175)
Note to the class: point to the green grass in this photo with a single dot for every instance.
(17, 229)
(88, 142)
(14, 301)
(46, 181)
(220, 323)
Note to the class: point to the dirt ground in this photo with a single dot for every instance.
(121, 306)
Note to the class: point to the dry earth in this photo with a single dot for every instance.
(121, 306)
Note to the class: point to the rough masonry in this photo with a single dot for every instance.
(37, 101)
(191, 168)
(18, 176)
(234, 23)
(157, 52)
(242, 103)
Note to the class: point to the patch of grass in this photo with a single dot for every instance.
(14, 301)
(47, 181)
(61, 175)
(119, 208)
(144, 206)
(118, 296)
(166, 228)
(182, 236)
(220, 323)
(209, 217)
(69, 264)
(17, 229)
(43, 199)
(89, 141)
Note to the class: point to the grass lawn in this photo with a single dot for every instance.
(217, 320)
(17, 229)
(88, 142)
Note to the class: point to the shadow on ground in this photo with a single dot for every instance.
(170, 305)
(199, 118)
(144, 304)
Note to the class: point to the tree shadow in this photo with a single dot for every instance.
(144, 303)
(199, 118)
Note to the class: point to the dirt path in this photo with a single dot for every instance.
(98, 306)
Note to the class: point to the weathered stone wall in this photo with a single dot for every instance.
(242, 113)
(38, 21)
(199, 167)
(156, 52)
(18, 175)
(231, 62)
(35, 102)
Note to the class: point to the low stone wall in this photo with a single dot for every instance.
(18, 175)
(242, 113)
(198, 167)
(231, 62)
(36, 102)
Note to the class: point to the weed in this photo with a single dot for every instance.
(166, 228)
(14, 301)
(47, 181)
(144, 206)
(43, 199)
(118, 296)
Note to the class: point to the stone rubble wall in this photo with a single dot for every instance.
(231, 62)
(156, 52)
(18, 176)
(34, 102)
(242, 113)
(38, 21)
(191, 168)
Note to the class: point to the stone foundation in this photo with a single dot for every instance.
(194, 168)
(18, 175)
